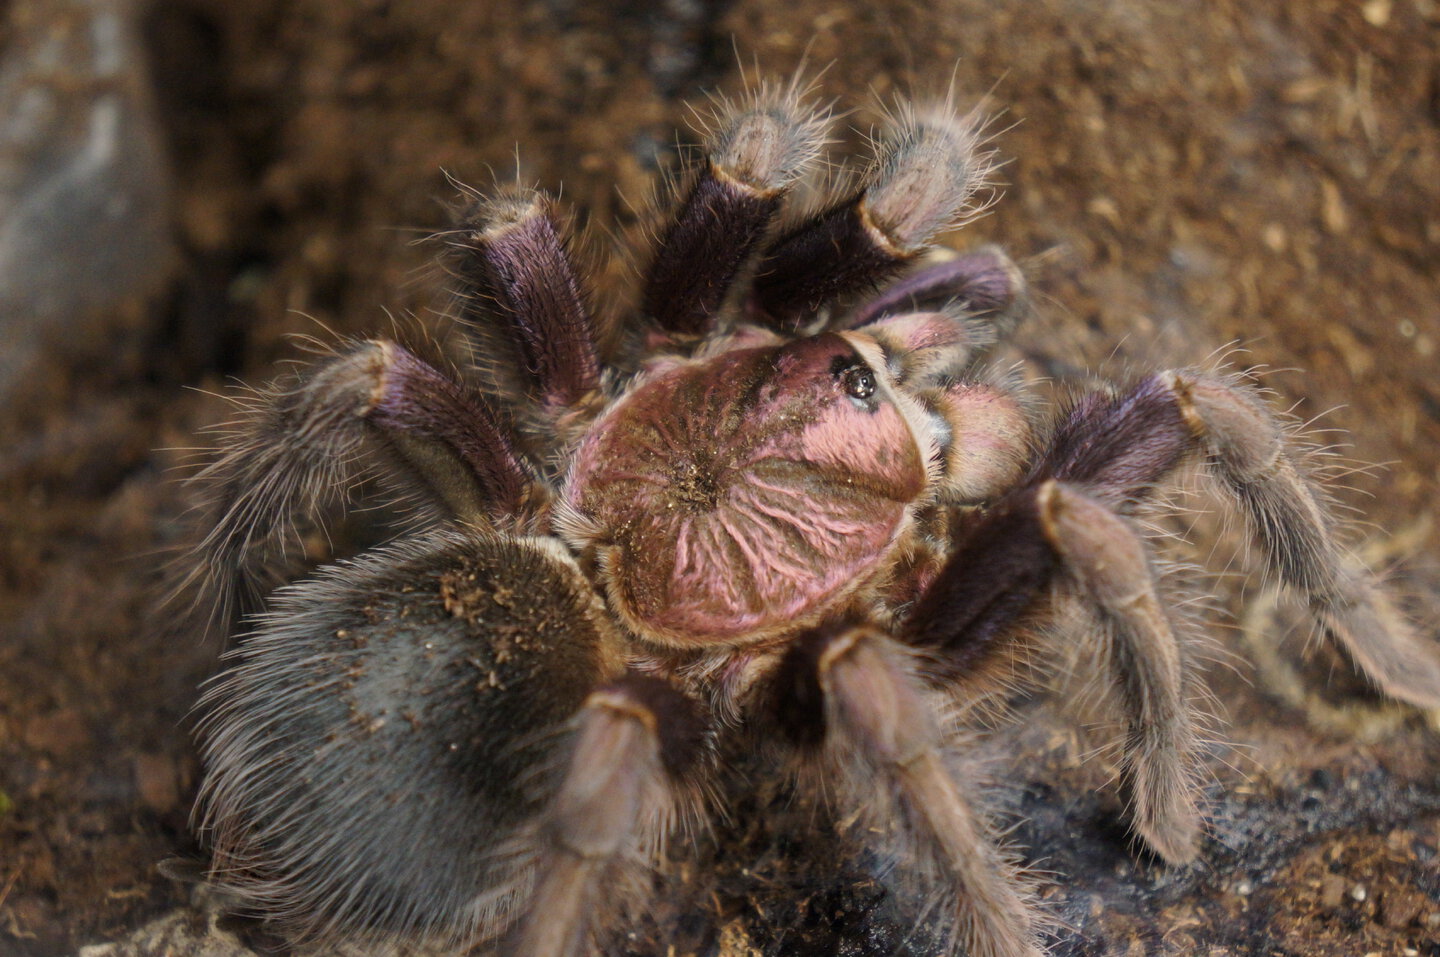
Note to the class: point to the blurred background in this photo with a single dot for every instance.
(185, 183)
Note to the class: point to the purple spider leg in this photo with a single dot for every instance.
(755, 151)
(1067, 523)
(1042, 536)
(511, 264)
(300, 444)
(856, 690)
(1296, 530)
(924, 178)
(1120, 447)
(449, 436)
(1108, 559)
(982, 283)
(833, 254)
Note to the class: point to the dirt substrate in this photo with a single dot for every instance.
(1180, 179)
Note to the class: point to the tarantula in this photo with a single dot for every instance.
(772, 507)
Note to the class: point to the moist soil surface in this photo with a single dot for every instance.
(1187, 183)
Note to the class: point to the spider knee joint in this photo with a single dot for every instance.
(631, 734)
(868, 693)
(1096, 545)
(1232, 425)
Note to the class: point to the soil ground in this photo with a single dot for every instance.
(1181, 179)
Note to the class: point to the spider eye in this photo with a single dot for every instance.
(859, 382)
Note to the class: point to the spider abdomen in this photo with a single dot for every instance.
(411, 700)
(742, 494)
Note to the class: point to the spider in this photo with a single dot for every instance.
(787, 505)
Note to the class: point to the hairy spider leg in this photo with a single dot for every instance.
(1102, 553)
(637, 738)
(1066, 522)
(983, 283)
(298, 443)
(511, 265)
(1297, 532)
(756, 149)
(925, 177)
(858, 691)
(1176, 412)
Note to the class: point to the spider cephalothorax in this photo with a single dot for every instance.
(740, 496)
(776, 507)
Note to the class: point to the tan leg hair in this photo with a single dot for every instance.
(1296, 530)
(1104, 555)
(874, 706)
(615, 772)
